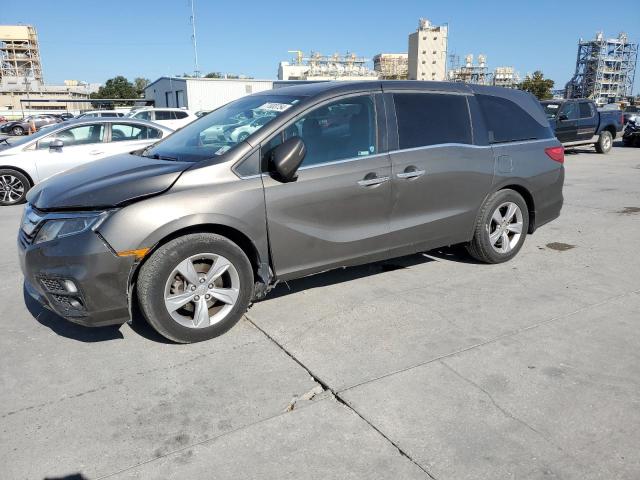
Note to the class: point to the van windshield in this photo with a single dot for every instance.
(221, 130)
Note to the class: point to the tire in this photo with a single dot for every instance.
(13, 187)
(159, 285)
(17, 130)
(487, 228)
(604, 143)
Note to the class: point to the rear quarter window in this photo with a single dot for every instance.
(430, 119)
(509, 122)
(180, 115)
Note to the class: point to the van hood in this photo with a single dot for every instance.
(105, 183)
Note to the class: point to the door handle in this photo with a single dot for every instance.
(411, 174)
(370, 182)
(95, 152)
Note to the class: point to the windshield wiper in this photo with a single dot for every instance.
(156, 156)
(5, 140)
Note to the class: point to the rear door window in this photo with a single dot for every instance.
(585, 110)
(122, 132)
(164, 115)
(508, 122)
(431, 119)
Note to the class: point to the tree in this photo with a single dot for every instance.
(117, 87)
(214, 75)
(140, 84)
(538, 85)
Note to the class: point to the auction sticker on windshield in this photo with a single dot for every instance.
(274, 107)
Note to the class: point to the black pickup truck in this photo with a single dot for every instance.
(578, 122)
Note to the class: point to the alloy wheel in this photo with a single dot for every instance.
(11, 189)
(505, 227)
(202, 290)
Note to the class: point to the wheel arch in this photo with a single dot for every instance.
(17, 169)
(526, 194)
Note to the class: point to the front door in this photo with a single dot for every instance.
(82, 144)
(567, 123)
(439, 178)
(337, 211)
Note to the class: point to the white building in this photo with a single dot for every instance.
(428, 52)
(201, 93)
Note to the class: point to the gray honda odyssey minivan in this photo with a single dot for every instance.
(196, 227)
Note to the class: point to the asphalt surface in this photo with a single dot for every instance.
(428, 366)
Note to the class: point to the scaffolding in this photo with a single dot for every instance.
(605, 69)
(19, 55)
(329, 67)
(476, 73)
(392, 66)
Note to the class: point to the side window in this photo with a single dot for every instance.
(145, 115)
(431, 119)
(122, 132)
(83, 135)
(508, 122)
(180, 115)
(164, 115)
(109, 114)
(585, 110)
(570, 109)
(337, 131)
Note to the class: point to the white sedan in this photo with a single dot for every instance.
(30, 160)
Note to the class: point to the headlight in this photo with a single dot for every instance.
(64, 227)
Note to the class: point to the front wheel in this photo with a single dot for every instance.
(604, 143)
(195, 287)
(501, 227)
(17, 130)
(13, 187)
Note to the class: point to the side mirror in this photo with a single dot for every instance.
(563, 117)
(287, 157)
(56, 145)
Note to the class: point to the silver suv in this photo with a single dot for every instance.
(201, 224)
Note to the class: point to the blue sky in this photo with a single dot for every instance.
(96, 40)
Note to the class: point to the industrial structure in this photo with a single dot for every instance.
(506, 77)
(392, 66)
(470, 72)
(605, 69)
(22, 87)
(428, 52)
(326, 67)
(19, 55)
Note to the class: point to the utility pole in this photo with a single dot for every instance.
(196, 70)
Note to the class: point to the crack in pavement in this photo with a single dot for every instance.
(341, 400)
(510, 415)
(510, 334)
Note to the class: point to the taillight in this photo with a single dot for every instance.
(555, 153)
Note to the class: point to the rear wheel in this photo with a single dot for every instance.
(195, 287)
(13, 187)
(605, 142)
(501, 228)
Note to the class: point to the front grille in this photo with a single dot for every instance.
(52, 284)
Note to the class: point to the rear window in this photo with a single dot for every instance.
(508, 122)
(431, 119)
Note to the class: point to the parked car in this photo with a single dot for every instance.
(29, 160)
(194, 232)
(171, 117)
(20, 127)
(101, 114)
(631, 136)
(242, 132)
(578, 122)
(629, 111)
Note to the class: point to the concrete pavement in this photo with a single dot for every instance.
(428, 366)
